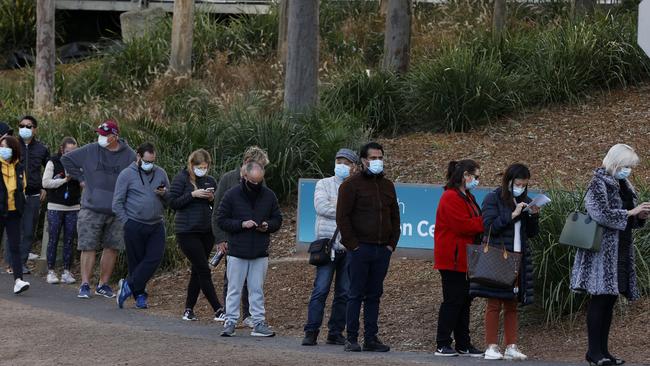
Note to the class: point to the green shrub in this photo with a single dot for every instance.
(17, 24)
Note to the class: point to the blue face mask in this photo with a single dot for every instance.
(471, 185)
(6, 153)
(623, 173)
(376, 166)
(146, 166)
(342, 171)
(518, 191)
(25, 133)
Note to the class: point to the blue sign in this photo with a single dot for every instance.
(417, 207)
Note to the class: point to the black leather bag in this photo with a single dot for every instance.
(319, 250)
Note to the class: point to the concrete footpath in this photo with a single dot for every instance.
(49, 325)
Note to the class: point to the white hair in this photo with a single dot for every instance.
(619, 156)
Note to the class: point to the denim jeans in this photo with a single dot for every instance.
(322, 283)
(368, 267)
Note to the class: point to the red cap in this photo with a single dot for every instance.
(109, 127)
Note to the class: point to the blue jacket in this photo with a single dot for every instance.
(498, 215)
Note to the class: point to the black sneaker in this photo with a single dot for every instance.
(310, 338)
(470, 351)
(189, 315)
(352, 346)
(375, 345)
(336, 339)
(446, 351)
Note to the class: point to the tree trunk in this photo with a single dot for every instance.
(383, 7)
(499, 17)
(397, 39)
(182, 29)
(283, 16)
(45, 55)
(301, 81)
(582, 8)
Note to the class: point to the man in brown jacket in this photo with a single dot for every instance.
(367, 216)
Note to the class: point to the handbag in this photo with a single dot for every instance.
(319, 250)
(581, 231)
(491, 266)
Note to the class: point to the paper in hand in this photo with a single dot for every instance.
(539, 201)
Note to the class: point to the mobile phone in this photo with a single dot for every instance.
(162, 186)
(210, 189)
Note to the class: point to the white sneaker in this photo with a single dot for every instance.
(20, 286)
(52, 278)
(249, 322)
(67, 278)
(513, 353)
(32, 257)
(493, 353)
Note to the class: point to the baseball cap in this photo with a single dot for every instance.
(5, 129)
(348, 154)
(109, 127)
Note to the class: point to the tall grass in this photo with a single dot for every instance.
(17, 24)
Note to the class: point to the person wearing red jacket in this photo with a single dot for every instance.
(458, 223)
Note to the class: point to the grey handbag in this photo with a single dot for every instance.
(581, 231)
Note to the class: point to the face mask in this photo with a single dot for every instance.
(199, 172)
(25, 133)
(5, 153)
(342, 171)
(146, 166)
(471, 185)
(376, 166)
(518, 191)
(102, 141)
(623, 173)
(252, 186)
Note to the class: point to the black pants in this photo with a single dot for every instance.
(454, 310)
(599, 320)
(145, 247)
(197, 248)
(244, 294)
(11, 223)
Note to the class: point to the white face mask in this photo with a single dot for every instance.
(6, 153)
(199, 172)
(25, 133)
(103, 141)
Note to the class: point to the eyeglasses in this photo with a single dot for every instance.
(26, 126)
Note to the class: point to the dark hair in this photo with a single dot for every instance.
(146, 147)
(456, 171)
(30, 119)
(14, 145)
(368, 146)
(66, 141)
(514, 171)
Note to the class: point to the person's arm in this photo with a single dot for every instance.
(48, 182)
(163, 196)
(598, 207)
(46, 157)
(219, 234)
(225, 218)
(275, 222)
(323, 203)
(119, 197)
(494, 219)
(532, 225)
(177, 199)
(395, 221)
(455, 211)
(73, 162)
(344, 208)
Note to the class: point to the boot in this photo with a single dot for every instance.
(310, 338)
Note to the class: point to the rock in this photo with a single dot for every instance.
(135, 24)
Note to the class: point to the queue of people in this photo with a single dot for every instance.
(114, 198)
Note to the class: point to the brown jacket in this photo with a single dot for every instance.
(367, 211)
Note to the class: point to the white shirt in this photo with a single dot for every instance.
(517, 241)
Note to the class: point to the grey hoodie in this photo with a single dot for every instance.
(98, 168)
(135, 195)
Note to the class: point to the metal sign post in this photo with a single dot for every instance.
(643, 37)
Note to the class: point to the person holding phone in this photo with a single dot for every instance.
(63, 205)
(139, 203)
(192, 197)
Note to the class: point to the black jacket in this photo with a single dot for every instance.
(34, 157)
(19, 195)
(498, 215)
(235, 208)
(192, 214)
(73, 189)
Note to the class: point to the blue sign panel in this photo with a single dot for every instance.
(417, 204)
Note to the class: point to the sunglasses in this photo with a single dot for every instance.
(26, 126)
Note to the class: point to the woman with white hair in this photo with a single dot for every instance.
(612, 202)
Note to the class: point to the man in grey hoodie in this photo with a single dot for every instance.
(96, 166)
(139, 204)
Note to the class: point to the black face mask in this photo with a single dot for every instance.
(252, 186)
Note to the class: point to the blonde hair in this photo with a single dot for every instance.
(256, 154)
(197, 157)
(619, 156)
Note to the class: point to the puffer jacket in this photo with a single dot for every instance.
(325, 197)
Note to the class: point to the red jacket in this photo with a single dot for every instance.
(458, 223)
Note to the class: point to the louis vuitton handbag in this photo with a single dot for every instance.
(491, 266)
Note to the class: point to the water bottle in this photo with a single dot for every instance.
(214, 261)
